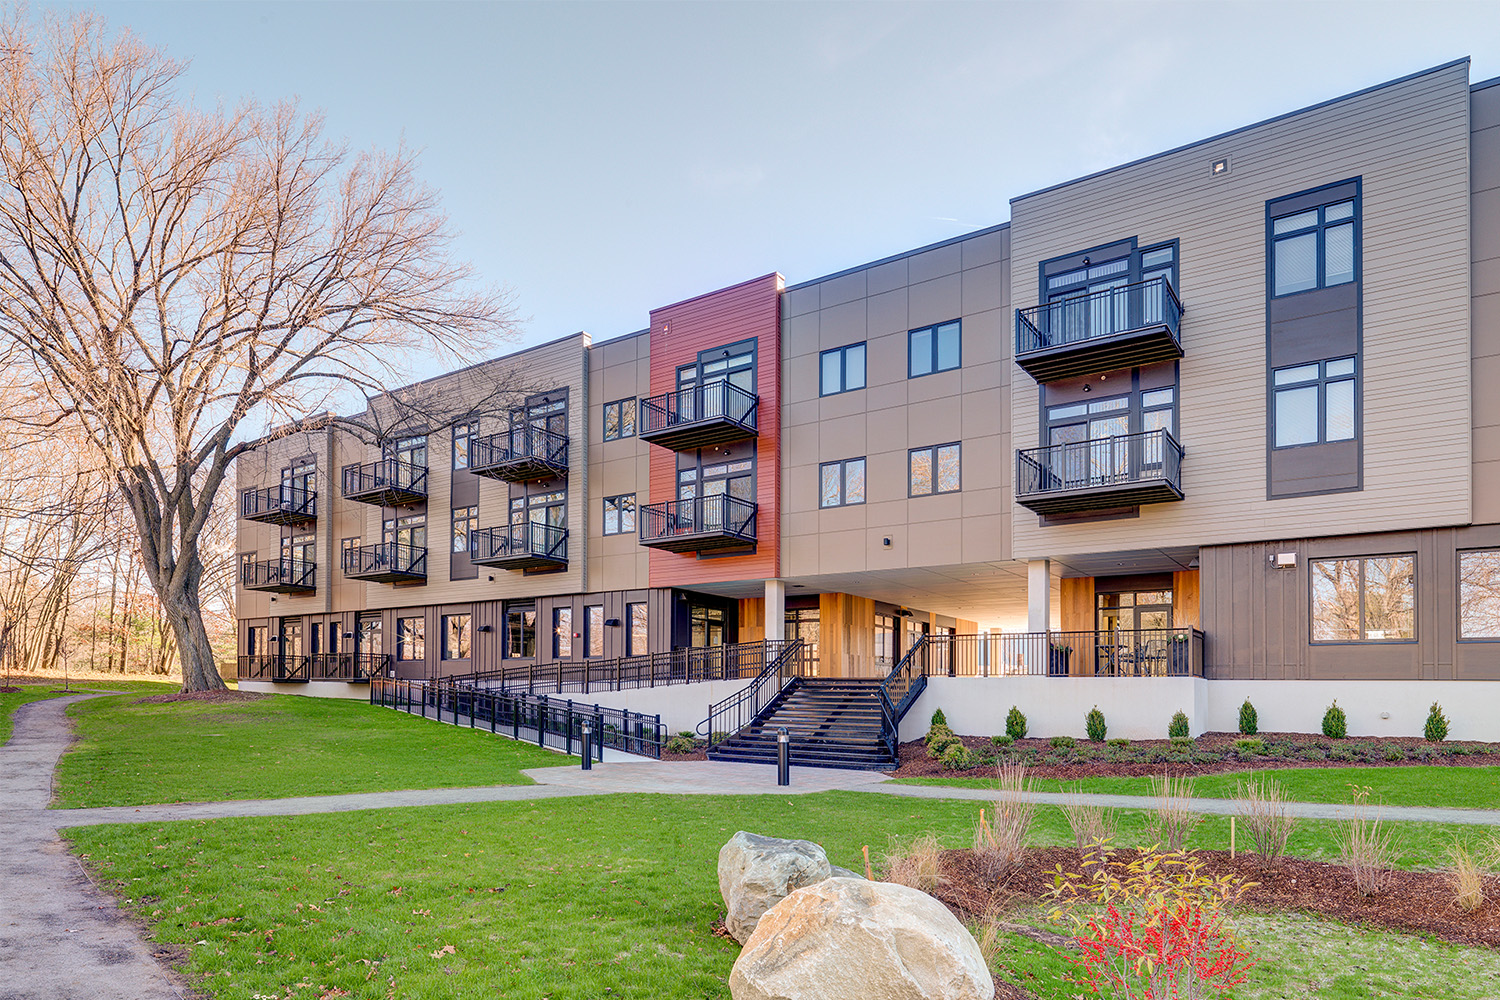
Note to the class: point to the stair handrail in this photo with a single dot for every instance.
(899, 691)
(782, 668)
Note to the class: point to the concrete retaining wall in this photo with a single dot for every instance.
(314, 689)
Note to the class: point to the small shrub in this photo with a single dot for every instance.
(1179, 726)
(1092, 825)
(1015, 724)
(1423, 753)
(1364, 846)
(1093, 724)
(940, 746)
(937, 732)
(1394, 754)
(680, 744)
(1173, 820)
(685, 735)
(1436, 730)
(1339, 753)
(1063, 742)
(938, 719)
(1182, 742)
(1312, 753)
(718, 737)
(918, 866)
(1002, 741)
(957, 757)
(1466, 877)
(1119, 742)
(1249, 722)
(1458, 751)
(1263, 810)
(1000, 840)
(1335, 722)
(1251, 745)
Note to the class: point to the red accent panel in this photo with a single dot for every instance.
(678, 333)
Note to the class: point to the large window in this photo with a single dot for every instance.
(934, 349)
(1315, 248)
(934, 470)
(841, 369)
(456, 636)
(465, 523)
(841, 484)
(1370, 599)
(619, 419)
(593, 630)
(1314, 403)
(462, 435)
(411, 638)
(520, 632)
(562, 633)
(639, 644)
(619, 514)
(1479, 594)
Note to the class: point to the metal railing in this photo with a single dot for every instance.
(547, 722)
(792, 660)
(1142, 457)
(352, 667)
(530, 538)
(387, 474)
(899, 691)
(713, 400)
(274, 667)
(720, 515)
(1168, 652)
(1081, 318)
(291, 502)
(685, 665)
(387, 557)
(287, 572)
(519, 443)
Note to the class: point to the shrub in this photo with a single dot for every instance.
(680, 744)
(1436, 730)
(918, 866)
(1182, 742)
(1119, 741)
(1394, 754)
(1251, 745)
(1092, 825)
(1002, 741)
(1335, 723)
(1063, 742)
(1173, 820)
(1339, 753)
(718, 737)
(957, 757)
(1249, 723)
(1093, 723)
(1466, 877)
(1000, 840)
(1015, 724)
(938, 719)
(940, 746)
(1364, 846)
(1263, 810)
(1178, 728)
(935, 733)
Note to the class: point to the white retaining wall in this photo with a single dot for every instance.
(315, 689)
(681, 706)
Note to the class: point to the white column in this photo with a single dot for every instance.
(1039, 595)
(775, 609)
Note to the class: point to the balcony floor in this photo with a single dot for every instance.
(1127, 349)
(388, 576)
(280, 588)
(522, 470)
(522, 560)
(702, 541)
(281, 516)
(1086, 498)
(388, 496)
(699, 434)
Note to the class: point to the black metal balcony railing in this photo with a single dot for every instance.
(275, 667)
(389, 562)
(1102, 331)
(520, 455)
(699, 524)
(699, 416)
(386, 483)
(287, 575)
(520, 546)
(279, 505)
(1121, 471)
(355, 668)
(1165, 652)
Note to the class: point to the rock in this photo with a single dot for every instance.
(756, 873)
(844, 938)
(838, 872)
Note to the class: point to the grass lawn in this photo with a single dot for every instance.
(32, 690)
(1414, 785)
(282, 745)
(586, 898)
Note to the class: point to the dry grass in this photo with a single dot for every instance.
(1467, 878)
(1173, 820)
(1263, 810)
(1091, 824)
(1365, 846)
(1000, 837)
(918, 866)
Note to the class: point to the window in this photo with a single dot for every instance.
(456, 636)
(1369, 599)
(347, 549)
(520, 632)
(933, 349)
(841, 484)
(593, 630)
(411, 450)
(411, 638)
(1314, 403)
(247, 562)
(933, 470)
(1479, 594)
(562, 633)
(465, 523)
(256, 640)
(462, 435)
(842, 369)
(619, 419)
(1315, 247)
(639, 645)
(619, 514)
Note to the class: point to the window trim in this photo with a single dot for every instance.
(1458, 610)
(843, 353)
(1316, 199)
(558, 636)
(593, 630)
(935, 492)
(466, 430)
(841, 464)
(933, 329)
(1362, 559)
(471, 522)
(620, 529)
(402, 639)
(468, 634)
(1321, 383)
(619, 404)
(630, 628)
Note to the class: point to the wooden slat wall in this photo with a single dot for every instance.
(752, 619)
(1077, 609)
(847, 636)
(1185, 599)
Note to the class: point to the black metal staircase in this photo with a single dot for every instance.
(832, 722)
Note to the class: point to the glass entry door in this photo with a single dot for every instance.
(806, 624)
(1135, 630)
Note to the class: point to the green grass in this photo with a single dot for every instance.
(283, 745)
(52, 688)
(1412, 785)
(586, 898)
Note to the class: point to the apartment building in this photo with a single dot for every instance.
(1206, 426)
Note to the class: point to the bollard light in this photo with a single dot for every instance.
(783, 757)
(588, 747)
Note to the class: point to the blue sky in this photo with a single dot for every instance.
(604, 159)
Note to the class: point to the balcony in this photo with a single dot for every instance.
(702, 524)
(521, 455)
(390, 562)
(1122, 471)
(276, 668)
(1160, 652)
(279, 576)
(387, 483)
(520, 546)
(354, 668)
(1102, 331)
(699, 416)
(279, 505)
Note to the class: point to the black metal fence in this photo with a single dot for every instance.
(388, 557)
(513, 541)
(1145, 456)
(354, 668)
(388, 474)
(714, 400)
(547, 722)
(687, 665)
(717, 515)
(788, 659)
(516, 444)
(1080, 318)
(287, 573)
(282, 502)
(1116, 653)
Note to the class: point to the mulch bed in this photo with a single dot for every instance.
(701, 753)
(209, 697)
(1411, 902)
(916, 763)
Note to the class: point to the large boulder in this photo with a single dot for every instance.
(844, 938)
(756, 873)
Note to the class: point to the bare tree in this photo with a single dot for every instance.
(168, 273)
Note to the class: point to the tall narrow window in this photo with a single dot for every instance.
(562, 633)
(411, 638)
(462, 435)
(456, 636)
(639, 644)
(841, 369)
(1369, 599)
(520, 632)
(593, 630)
(934, 349)
(465, 523)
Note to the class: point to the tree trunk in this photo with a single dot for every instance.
(199, 671)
